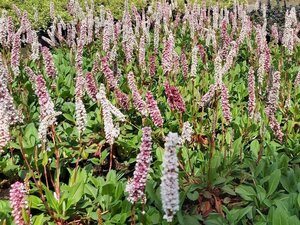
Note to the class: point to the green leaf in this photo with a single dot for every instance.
(193, 195)
(280, 217)
(69, 117)
(246, 192)
(75, 193)
(51, 200)
(36, 202)
(273, 181)
(261, 193)
(39, 220)
(254, 148)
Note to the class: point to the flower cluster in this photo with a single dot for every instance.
(194, 62)
(152, 66)
(108, 73)
(4, 128)
(251, 90)
(185, 67)
(138, 101)
(272, 104)
(13, 116)
(225, 103)
(17, 198)
(111, 131)
(297, 80)
(167, 59)
(80, 112)
(136, 187)
(169, 187)
(142, 53)
(48, 61)
(122, 99)
(174, 98)
(90, 85)
(47, 112)
(15, 52)
(187, 132)
(154, 110)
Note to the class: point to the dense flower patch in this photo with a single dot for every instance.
(160, 117)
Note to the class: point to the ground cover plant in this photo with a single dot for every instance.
(163, 116)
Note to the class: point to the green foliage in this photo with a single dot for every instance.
(245, 177)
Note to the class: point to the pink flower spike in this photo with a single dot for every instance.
(91, 86)
(18, 202)
(154, 110)
(136, 187)
(251, 90)
(48, 61)
(225, 103)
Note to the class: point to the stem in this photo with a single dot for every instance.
(193, 105)
(78, 158)
(132, 214)
(57, 156)
(37, 183)
(111, 157)
(213, 136)
(44, 166)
